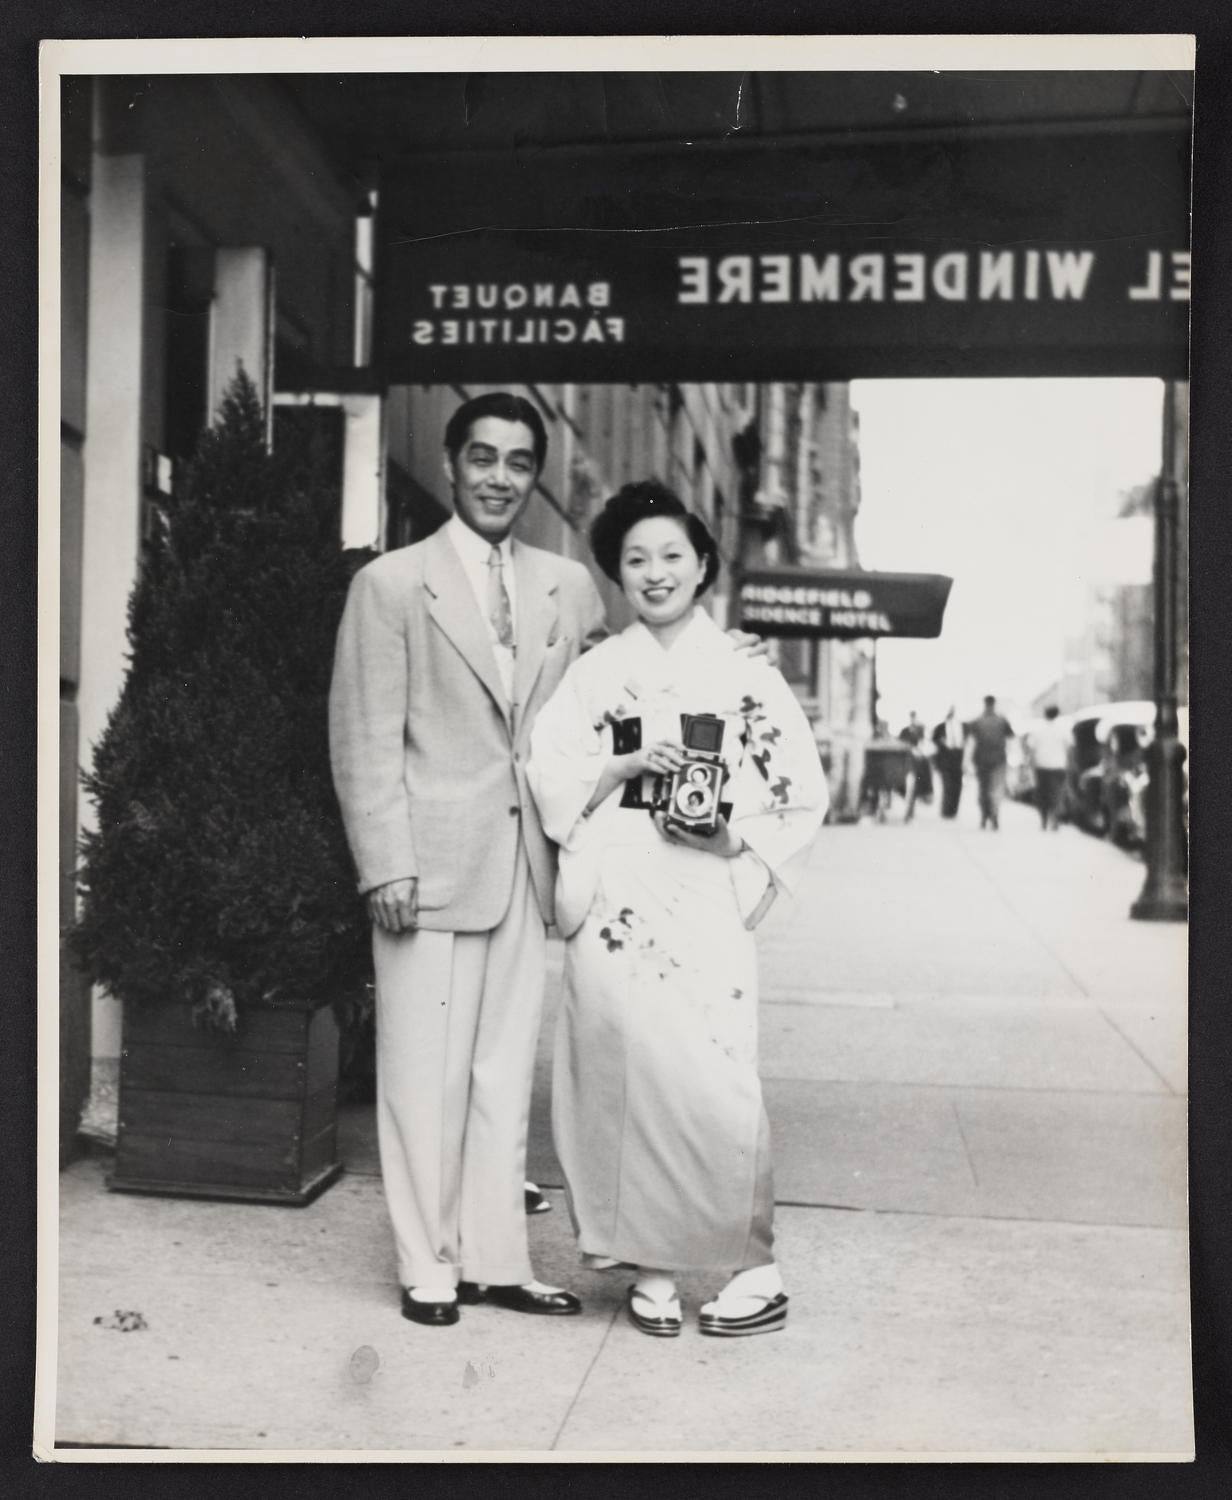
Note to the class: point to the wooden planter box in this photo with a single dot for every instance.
(250, 1116)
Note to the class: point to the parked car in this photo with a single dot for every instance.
(1117, 785)
(1084, 754)
(1107, 779)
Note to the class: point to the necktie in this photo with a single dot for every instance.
(500, 613)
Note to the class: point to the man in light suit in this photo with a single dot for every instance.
(446, 651)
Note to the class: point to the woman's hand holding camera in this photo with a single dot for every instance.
(659, 759)
(722, 842)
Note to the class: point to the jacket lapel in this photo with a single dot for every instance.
(451, 604)
(536, 622)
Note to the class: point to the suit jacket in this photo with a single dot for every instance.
(429, 758)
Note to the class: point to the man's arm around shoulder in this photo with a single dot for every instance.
(591, 614)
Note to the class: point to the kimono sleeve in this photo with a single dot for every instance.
(779, 795)
(567, 756)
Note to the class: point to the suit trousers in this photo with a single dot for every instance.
(1048, 786)
(991, 782)
(457, 1019)
(950, 770)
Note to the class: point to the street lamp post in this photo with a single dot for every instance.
(1164, 896)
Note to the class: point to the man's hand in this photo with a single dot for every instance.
(748, 645)
(395, 907)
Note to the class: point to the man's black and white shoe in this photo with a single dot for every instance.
(431, 1314)
(547, 1301)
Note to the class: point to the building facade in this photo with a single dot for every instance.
(1111, 657)
(178, 269)
(800, 507)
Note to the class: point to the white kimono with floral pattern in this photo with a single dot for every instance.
(657, 1111)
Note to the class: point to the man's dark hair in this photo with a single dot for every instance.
(1051, 711)
(641, 501)
(503, 404)
(989, 701)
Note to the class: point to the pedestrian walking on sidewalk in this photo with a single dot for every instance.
(949, 737)
(657, 1107)
(919, 774)
(1048, 749)
(989, 735)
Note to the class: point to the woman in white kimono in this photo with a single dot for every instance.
(657, 1110)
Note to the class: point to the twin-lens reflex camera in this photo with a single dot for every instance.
(689, 797)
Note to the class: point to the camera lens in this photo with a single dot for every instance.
(695, 801)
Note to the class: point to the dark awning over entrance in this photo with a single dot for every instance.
(1056, 253)
(772, 226)
(826, 603)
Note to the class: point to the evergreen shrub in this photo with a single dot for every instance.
(219, 873)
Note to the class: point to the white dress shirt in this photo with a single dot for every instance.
(473, 553)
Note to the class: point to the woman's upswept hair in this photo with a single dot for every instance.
(639, 502)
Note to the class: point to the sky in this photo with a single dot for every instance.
(1010, 487)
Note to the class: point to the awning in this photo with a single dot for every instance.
(833, 604)
(1058, 253)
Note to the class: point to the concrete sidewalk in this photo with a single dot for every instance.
(975, 1071)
